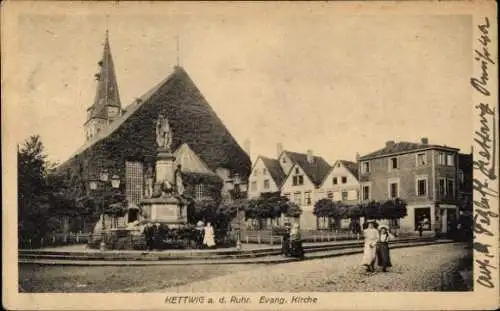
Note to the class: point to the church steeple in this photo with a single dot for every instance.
(107, 104)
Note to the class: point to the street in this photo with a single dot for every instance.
(414, 269)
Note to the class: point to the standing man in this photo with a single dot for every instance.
(148, 235)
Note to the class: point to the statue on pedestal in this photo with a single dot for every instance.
(149, 182)
(179, 184)
(163, 133)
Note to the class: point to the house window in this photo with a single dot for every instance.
(266, 184)
(256, 172)
(344, 195)
(442, 187)
(393, 163)
(422, 186)
(297, 170)
(287, 196)
(450, 161)
(134, 181)
(461, 176)
(366, 192)
(253, 186)
(298, 180)
(366, 167)
(450, 187)
(330, 194)
(421, 160)
(199, 192)
(307, 198)
(338, 164)
(264, 171)
(423, 218)
(297, 198)
(357, 194)
(393, 190)
(283, 160)
(344, 179)
(441, 158)
(334, 180)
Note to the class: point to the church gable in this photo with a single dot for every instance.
(189, 161)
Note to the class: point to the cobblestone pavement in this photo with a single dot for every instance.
(414, 269)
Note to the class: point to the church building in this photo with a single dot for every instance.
(121, 143)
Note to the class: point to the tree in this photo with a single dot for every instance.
(293, 210)
(34, 198)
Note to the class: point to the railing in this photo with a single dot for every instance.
(56, 239)
(268, 237)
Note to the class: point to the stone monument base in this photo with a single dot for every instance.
(165, 210)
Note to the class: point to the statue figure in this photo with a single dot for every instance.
(178, 180)
(163, 189)
(149, 182)
(163, 133)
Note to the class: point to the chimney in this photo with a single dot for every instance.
(424, 141)
(471, 149)
(310, 156)
(279, 149)
(357, 157)
(389, 143)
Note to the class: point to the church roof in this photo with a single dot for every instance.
(190, 117)
(107, 87)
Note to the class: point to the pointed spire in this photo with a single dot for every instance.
(107, 94)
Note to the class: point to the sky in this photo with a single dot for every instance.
(334, 83)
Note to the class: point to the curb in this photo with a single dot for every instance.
(187, 255)
(263, 260)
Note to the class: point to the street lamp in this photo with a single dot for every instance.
(237, 189)
(115, 181)
(93, 185)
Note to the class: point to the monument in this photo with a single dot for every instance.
(165, 204)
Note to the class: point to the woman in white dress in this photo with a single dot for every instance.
(371, 236)
(209, 237)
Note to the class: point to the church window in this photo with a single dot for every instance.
(134, 172)
(199, 193)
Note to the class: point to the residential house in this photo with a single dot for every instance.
(424, 175)
(304, 175)
(340, 184)
(267, 176)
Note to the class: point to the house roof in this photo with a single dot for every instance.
(275, 170)
(351, 167)
(190, 117)
(402, 147)
(107, 87)
(317, 170)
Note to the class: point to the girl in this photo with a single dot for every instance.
(209, 238)
(371, 236)
(383, 256)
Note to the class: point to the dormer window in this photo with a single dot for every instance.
(297, 171)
